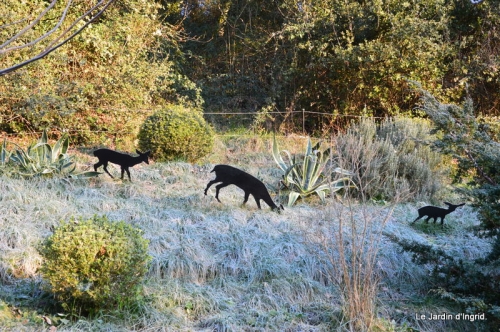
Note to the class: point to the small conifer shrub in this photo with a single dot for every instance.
(95, 264)
(175, 133)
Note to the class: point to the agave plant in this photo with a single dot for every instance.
(306, 175)
(41, 158)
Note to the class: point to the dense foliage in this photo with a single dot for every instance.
(310, 65)
(472, 284)
(294, 60)
(392, 158)
(176, 133)
(473, 146)
(95, 264)
(101, 85)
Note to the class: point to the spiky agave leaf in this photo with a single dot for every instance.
(277, 156)
(40, 153)
(20, 157)
(4, 153)
(292, 197)
(60, 148)
(308, 177)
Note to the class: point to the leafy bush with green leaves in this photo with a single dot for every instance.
(42, 159)
(95, 264)
(176, 132)
(100, 86)
(335, 57)
(392, 155)
(306, 175)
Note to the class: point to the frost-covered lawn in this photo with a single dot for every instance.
(221, 266)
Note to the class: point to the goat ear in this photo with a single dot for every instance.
(449, 204)
(138, 152)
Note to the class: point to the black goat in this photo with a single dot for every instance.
(124, 160)
(434, 212)
(250, 185)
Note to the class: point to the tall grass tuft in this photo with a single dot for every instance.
(352, 240)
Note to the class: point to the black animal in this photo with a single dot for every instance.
(124, 160)
(434, 212)
(250, 185)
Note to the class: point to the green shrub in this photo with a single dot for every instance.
(391, 156)
(73, 91)
(94, 264)
(417, 162)
(176, 133)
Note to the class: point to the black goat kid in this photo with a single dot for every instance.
(250, 185)
(124, 160)
(434, 212)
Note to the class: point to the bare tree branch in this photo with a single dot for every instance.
(25, 29)
(479, 168)
(60, 38)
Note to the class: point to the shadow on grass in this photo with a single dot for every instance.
(24, 302)
(432, 228)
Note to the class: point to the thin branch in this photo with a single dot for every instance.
(47, 34)
(13, 23)
(479, 168)
(23, 31)
(55, 44)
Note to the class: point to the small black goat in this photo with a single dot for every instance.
(250, 185)
(434, 212)
(124, 160)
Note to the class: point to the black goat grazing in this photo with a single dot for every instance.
(250, 185)
(434, 212)
(124, 160)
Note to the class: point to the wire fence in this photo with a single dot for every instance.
(302, 113)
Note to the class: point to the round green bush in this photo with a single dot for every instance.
(95, 264)
(176, 133)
